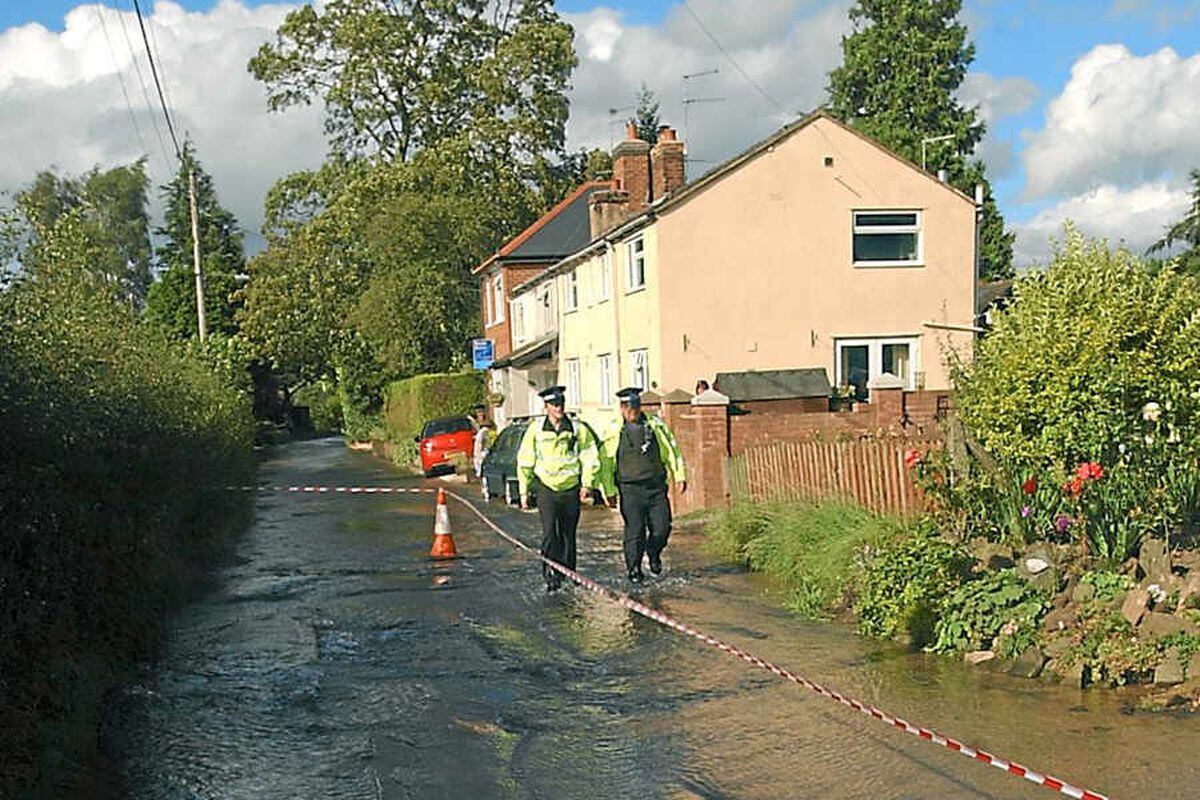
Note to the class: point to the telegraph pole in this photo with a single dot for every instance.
(199, 272)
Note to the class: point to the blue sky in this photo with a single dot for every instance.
(1090, 117)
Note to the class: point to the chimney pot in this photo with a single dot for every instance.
(666, 134)
(631, 132)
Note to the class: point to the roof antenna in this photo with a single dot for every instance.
(688, 100)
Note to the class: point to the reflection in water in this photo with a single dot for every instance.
(335, 660)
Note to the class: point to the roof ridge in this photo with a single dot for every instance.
(545, 219)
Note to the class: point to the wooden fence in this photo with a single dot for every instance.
(868, 472)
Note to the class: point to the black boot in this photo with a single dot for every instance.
(656, 563)
(553, 581)
(636, 576)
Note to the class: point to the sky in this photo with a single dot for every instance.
(1092, 107)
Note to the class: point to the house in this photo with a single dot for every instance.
(815, 248)
(525, 347)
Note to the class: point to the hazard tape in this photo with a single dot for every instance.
(927, 734)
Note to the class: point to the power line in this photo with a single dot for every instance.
(157, 83)
(145, 92)
(758, 87)
(166, 88)
(120, 78)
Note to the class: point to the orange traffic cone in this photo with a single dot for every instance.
(443, 540)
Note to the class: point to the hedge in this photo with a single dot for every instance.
(116, 444)
(409, 403)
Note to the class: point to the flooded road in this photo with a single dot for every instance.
(335, 660)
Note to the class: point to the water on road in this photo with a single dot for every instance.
(335, 660)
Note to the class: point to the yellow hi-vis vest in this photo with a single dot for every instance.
(561, 460)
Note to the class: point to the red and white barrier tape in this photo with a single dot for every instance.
(624, 600)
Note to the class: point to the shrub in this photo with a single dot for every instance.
(409, 403)
(813, 549)
(116, 443)
(1000, 611)
(904, 582)
(1096, 361)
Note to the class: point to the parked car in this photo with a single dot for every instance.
(442, 438)
(498, 475)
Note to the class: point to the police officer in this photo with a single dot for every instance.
(560, 461)
(647, 455)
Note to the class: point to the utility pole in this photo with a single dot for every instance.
(199, 272)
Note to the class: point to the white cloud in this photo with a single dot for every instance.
(997, 98)
(61, 103)
(1122, 119)
(787, 46)
(1135, 218)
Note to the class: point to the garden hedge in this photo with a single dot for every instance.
(409, 403)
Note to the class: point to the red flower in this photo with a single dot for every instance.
(1074, 487)
(1030, 486)
(1089, 471)
(912, 458)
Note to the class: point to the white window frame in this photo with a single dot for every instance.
(639, 369)
(634, 256)
(604, 288)
(605, 384)
(570, 292)
(518, 320)
(497, 303)
(573, 383)
(866, 230)
(874, 345)
(547, 307)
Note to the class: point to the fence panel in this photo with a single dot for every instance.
(868, 472)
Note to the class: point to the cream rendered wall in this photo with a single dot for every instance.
(756, 269)
(627, 320)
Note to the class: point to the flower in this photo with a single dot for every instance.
(1157, 592)
(1062, 523)
(1026, 511)
(1074, 487)
(912, 458)
(1089, 471)
(1151, 412)
(1029, 486)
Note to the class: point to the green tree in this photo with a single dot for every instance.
(1185, 232)
(901, 67)
(110, 205)
(397, 76)
(647, 117)
(171, 301)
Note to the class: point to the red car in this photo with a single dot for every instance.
(440, 439)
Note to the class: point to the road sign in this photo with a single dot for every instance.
(483, 353)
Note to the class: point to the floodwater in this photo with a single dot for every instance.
(335, 660)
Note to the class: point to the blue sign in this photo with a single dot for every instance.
(483, 353)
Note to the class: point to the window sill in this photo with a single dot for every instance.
(886, 264)
(635, 290)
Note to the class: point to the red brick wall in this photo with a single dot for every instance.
(514, 275)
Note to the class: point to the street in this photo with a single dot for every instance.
(334, 659)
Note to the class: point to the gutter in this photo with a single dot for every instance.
(949, 326)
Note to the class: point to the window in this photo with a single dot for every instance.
(604, 283)
(860, 360)
(635, 273)
(887, 238)
(518, 320)
(573, 398)
(639, 369)
(547, 310)
(606, 394)
(498, 299)
(570, 291)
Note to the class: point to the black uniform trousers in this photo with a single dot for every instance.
(559, 512)
(645, 509)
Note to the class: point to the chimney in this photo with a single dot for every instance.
(631, 169)
(667, 172)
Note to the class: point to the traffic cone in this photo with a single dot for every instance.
(443, 540)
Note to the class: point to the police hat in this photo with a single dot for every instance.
(631, 395)
(555, 395)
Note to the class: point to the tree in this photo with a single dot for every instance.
(646, 117)
(171, 302)
(108, 209)
(1185, 232)
(396, 76)
(901, 67)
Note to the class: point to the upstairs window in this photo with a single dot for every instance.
(518, 320)
(570, 291)
(639, 369)
(547, 310)
(887, 238)
(573, 383)
(604, 284)
(635, 277)
(498, 299)
(605, 383)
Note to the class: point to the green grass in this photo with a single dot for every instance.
(812, 548)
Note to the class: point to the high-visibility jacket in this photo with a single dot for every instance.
(668, 448)
(561, 460)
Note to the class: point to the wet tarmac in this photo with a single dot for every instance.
(335, 660)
